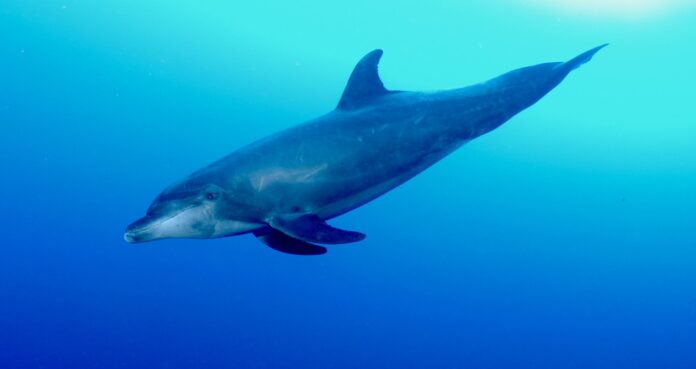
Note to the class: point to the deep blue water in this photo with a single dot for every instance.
(564, 239)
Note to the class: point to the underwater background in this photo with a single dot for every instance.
(564, 239)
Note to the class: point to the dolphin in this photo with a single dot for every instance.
(284, 187)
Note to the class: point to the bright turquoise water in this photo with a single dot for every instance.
(564, 239)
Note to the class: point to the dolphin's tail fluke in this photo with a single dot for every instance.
(580, 59)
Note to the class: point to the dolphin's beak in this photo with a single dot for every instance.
(139, 230)
(131, 237)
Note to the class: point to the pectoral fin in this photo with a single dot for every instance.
(281, 242)
(311, 228)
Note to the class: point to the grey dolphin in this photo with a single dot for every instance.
(283, 188)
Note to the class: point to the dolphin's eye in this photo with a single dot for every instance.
(211, 196)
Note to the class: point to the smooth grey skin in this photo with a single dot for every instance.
(284, 187)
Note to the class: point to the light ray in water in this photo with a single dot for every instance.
(618, 8)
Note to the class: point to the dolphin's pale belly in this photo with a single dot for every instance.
(340, 206)
(332, 167)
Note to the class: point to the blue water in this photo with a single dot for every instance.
(564, 239)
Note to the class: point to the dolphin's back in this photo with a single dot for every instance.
(339, 157)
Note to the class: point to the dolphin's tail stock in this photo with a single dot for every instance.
(579, 60)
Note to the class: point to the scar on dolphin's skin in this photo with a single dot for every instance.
(284, 188)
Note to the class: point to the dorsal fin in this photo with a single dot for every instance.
(364, 84)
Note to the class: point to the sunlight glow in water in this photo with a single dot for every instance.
(619, 8)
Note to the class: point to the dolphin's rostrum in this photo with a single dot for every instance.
(284, 188)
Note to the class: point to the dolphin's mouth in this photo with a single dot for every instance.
(130, 237)
(139, 231)
(142, 230)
